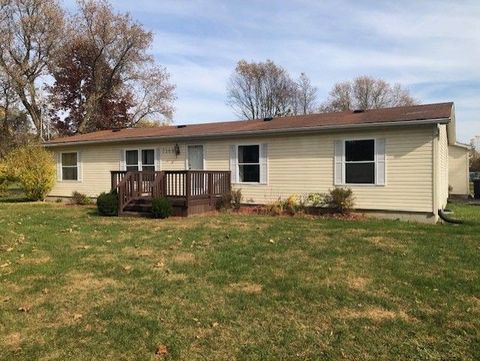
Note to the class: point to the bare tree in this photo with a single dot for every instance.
(260, 90)
(116, 45)
(105, 77)
(340, 98)
(153, 96)
(14, 123)
(30, 33)
(305, 101)
(366, 93)
(8, 99)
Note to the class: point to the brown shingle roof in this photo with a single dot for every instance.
(385, 116)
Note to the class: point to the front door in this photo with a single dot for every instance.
(195, 157)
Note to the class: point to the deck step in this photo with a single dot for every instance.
(145, 208)
(135, 214)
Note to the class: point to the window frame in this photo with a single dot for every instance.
(140, 153)
(79, 178)
(376, 161)
(139, 158)
(239, 164)
(344, 162)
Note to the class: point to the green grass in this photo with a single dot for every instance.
(225, 287)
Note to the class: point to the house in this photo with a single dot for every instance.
(399, 161)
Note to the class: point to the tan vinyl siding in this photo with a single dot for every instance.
(442, 173)
(458, 170)
(297, 164)
(304, 164)
(98, 160)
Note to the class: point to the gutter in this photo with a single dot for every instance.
(461, 145)
(255, 132)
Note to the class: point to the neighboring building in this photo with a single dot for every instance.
(458, 165)
(396, 160)
(475, 142)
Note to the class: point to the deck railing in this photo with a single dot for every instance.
(189, 185)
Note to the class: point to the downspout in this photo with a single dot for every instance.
(444, 217)
(434, 170)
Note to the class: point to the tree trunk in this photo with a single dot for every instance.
(34, 112)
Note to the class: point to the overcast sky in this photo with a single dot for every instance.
(431, 47)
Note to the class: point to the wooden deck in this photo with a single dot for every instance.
(189, 191)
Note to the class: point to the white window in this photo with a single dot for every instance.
(148, 160)
(248, 163)
(140, 160)
(131, 159)
(70, 166)
(360, 161)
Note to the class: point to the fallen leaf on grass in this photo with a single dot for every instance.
(161, 350)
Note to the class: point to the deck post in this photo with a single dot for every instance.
(188, 190)
(210, 188)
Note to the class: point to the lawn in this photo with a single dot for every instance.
(76, 286)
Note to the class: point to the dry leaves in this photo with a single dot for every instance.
(159, 265)
(161, 350)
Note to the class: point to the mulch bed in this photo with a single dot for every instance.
(312, 212)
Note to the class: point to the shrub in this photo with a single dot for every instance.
(315, 199)
(226, 201)
(275, 208)
(3, 188)
(236, 198)
(232, 199)
(292, 205)
(339, 200)
(161, 208)
(3, 180)
(107, 204)
(33, 167)
(80, 199)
